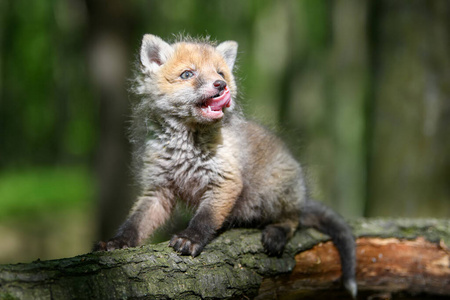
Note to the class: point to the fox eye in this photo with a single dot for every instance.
(186, 74)
(221, 74)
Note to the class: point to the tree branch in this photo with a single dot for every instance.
(394, 256)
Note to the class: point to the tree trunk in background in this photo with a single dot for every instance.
(110, 27)
(328, 74)
(349, 88)
(410, 161)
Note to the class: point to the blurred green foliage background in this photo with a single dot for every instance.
(360, 90)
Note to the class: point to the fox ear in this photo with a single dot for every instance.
(154, 52)
(228, 50)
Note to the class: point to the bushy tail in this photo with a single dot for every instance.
(316, 215)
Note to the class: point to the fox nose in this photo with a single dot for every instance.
(220, 84)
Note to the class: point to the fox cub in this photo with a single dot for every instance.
(192, 143)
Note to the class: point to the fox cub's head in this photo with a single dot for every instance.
(191, 81)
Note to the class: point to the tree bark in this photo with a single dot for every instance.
(395, 257)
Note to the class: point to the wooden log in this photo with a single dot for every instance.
(395, 257)
(387, 265)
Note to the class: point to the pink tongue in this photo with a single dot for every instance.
(219, 102)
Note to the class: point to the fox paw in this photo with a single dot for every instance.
(188, 242)
(274, 240)
(110, 245)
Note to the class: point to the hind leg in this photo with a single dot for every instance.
(275, 237)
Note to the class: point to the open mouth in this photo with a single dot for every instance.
(212, 108)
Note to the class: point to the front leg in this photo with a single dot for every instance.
(149, 212)
(200, 232)
(214, 208)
